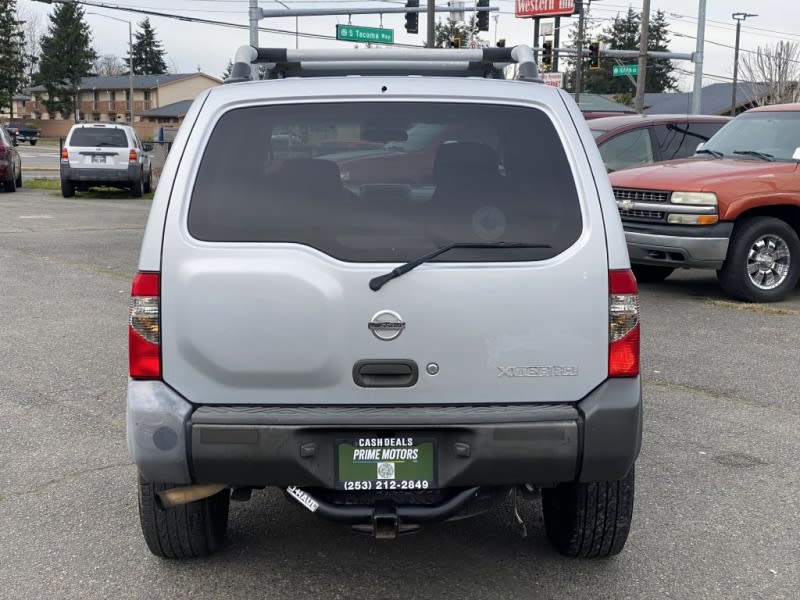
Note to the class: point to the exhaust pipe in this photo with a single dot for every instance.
(190, 493)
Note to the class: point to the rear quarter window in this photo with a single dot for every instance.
(385, 182)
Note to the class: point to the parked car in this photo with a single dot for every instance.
(10, 162)
(636, 140)
(23, 132)
(105, 154)
(387, 359)
(733, 207)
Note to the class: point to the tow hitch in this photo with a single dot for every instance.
(384, 520)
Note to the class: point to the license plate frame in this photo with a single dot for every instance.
(396, 462)
(98, 159)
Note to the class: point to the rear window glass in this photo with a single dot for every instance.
(384, 182)
(100, 136)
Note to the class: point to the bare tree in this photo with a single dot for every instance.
(109, 65)
(774, 73)
(34, 30)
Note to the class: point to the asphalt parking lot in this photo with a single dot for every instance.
(718, 499)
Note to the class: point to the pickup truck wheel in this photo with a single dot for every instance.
(651, 273)
(67, 188)
(188, 531)
(763, 263)
(587, 520)
(33, 142)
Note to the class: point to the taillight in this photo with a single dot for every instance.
(133, 156)
(623, 324)
(144, 327)
(64, 154)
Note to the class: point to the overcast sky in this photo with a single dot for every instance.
(193, 46)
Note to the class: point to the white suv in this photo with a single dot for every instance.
(399, 297)
(105, 154)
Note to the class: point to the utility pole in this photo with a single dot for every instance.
(697, 92)
(556, 42)
(641, 79)
(579, 63)
(431, 24)
(254, 16)
(738, 17)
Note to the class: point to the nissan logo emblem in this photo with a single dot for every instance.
(386, 325)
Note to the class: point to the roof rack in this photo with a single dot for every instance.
(481, 62)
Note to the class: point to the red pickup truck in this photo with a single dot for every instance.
(734, 207)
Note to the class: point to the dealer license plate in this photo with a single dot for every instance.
(99, 159)
(386, 463)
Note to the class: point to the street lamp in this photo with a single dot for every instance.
(738, 17)
(130, 59)
(296, 25)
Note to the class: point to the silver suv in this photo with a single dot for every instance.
(105, 154)
(399, 297)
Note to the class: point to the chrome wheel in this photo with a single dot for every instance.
(768, 262)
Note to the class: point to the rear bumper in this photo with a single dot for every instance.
(596, 439)
(99, 176)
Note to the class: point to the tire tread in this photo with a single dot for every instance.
(588, 520)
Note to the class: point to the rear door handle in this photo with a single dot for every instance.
(385, 373)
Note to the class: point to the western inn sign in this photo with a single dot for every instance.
(543, 8)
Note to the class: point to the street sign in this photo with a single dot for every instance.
(356, 33)
(619, 70)
(553, 79)
(543, 8)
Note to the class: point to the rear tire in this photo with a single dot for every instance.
(651, 273)
(763, 262)
(188, 531)
(33, 142)
(588, 520)
(67, 188)
(137, 187)
(148, 184)
(19, 179)
(11, 185)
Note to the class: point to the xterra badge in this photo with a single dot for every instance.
(554, 371)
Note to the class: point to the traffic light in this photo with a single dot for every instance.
(412, 18)
(483, 16)
(594, 53)
(547, 53)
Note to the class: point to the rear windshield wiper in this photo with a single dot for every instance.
(756, 153)
(377, 283)
(713, 153)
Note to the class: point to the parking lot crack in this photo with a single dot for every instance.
(69, 477)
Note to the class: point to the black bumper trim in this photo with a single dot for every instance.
(596, 439)
(383, 416)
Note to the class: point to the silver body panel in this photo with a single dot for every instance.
(246, 323)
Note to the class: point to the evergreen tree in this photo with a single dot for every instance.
(446, 33)
(12, 53)
(625, 34)
(660, 71)
(148, 55)
(67, 56)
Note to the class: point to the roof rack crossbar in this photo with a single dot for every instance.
(284, 60)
